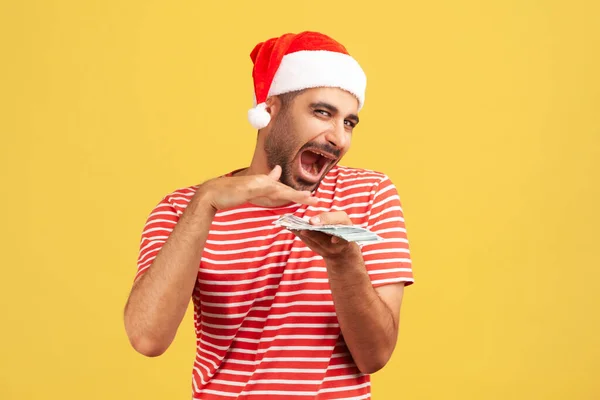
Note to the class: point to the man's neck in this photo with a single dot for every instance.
(258, 166)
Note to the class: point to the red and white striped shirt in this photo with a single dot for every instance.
(265, 322)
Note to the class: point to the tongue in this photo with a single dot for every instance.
(309, 159)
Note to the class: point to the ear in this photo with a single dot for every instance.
(273, 104)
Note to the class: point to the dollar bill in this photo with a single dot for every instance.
(350, 233)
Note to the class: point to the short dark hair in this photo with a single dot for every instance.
(288, 98)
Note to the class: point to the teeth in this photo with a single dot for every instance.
(321, 154)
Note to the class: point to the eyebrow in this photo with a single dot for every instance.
(334, 110)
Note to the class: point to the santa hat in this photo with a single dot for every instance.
(301, 61)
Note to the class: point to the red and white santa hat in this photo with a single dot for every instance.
(300, 61)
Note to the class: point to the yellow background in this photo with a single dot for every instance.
(485, 114)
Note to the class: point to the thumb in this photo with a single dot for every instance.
(331, 218)
(275, 173)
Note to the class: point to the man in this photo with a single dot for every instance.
(280, 314)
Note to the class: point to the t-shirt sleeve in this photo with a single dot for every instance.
(159, 225)
(388, 261)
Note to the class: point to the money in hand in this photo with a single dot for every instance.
(348, 233)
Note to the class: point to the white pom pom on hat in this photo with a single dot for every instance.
(258, 116)
(301, 61)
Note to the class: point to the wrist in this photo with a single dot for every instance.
(349, 257)
(201, 204)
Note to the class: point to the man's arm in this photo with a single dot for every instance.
(160, 296)
(368, 317)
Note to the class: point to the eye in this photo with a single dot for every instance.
(323, 113)
(349, 123)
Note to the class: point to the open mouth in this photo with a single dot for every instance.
(313, 163)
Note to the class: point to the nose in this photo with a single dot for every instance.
(337, 136)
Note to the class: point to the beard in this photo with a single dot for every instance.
(283, 148)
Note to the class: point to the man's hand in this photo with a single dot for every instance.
(331, 248)
(227, 192)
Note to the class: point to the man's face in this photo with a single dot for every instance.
(310, 135)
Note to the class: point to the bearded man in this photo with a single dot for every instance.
(280, 314)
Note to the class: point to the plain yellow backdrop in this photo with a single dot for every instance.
(486, 115)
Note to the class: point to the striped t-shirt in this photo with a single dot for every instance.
(264, 318)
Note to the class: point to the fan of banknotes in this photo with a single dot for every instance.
(349, 233)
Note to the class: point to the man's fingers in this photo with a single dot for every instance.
(275, 173)
(302, 197)
(284, 192)
(331, 218)
(309, 200)
(276, 191)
